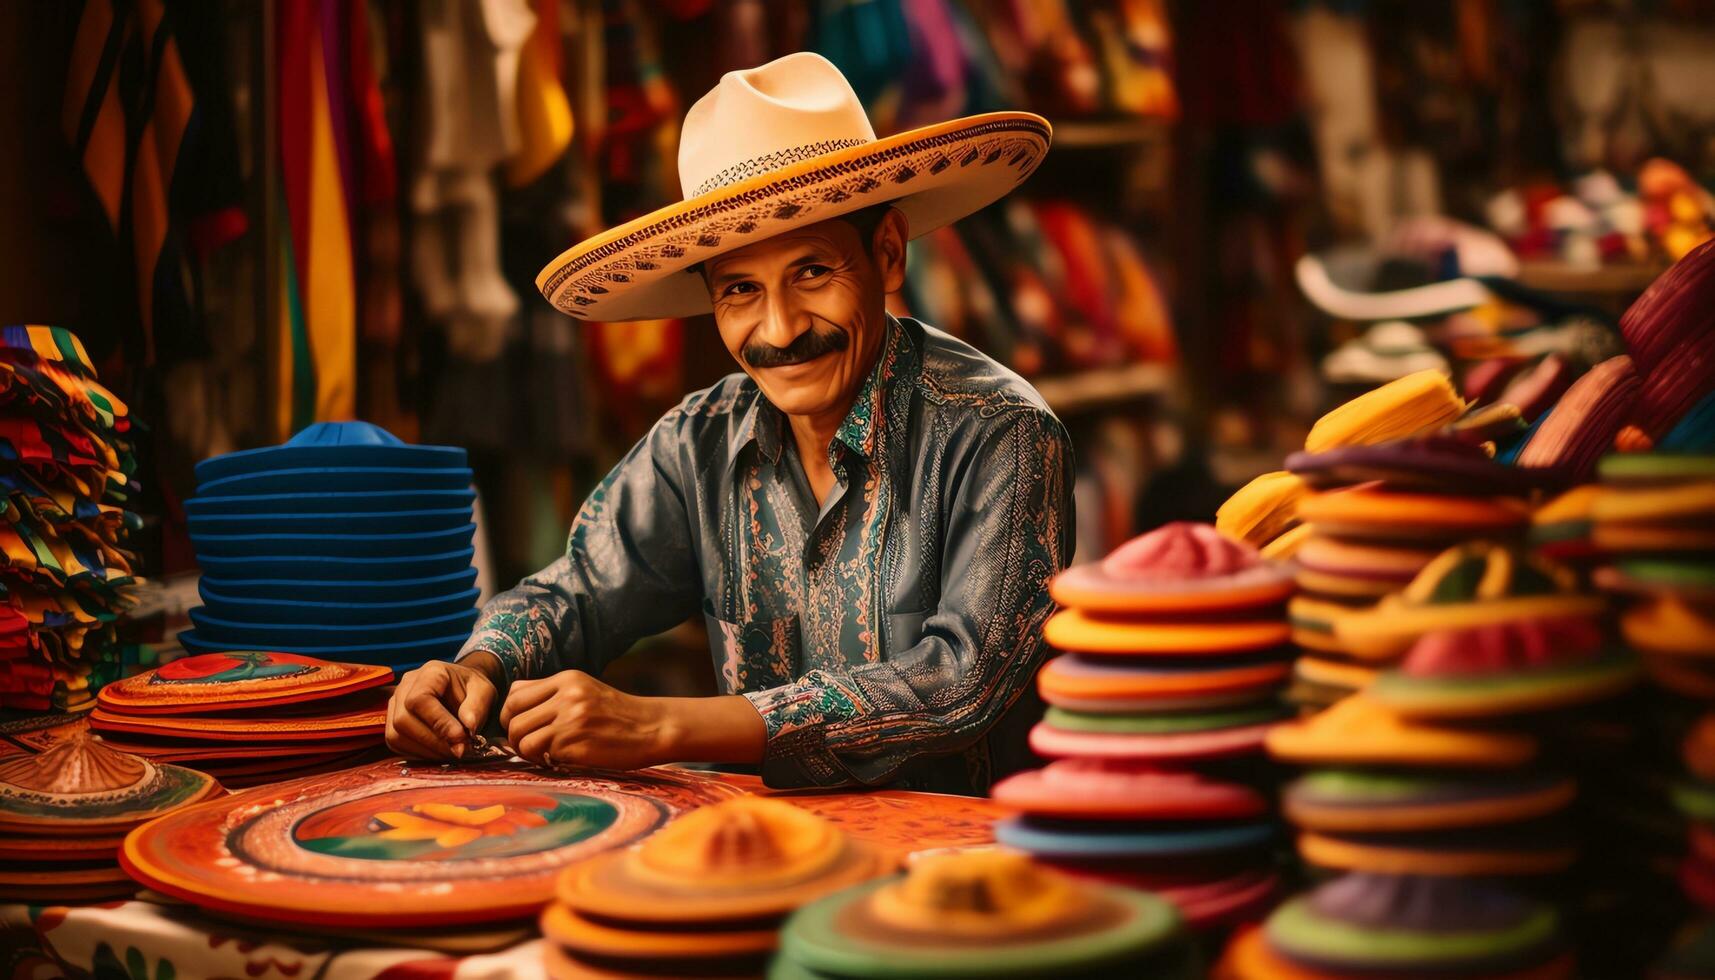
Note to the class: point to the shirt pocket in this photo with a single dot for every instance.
(754, 655)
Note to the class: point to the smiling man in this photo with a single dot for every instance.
(867, 515)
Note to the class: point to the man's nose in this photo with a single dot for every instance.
(783, 321)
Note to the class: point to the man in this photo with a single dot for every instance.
(867, 516)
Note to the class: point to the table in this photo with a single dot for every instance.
(154, 938)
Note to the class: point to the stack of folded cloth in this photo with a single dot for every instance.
(1174, 657)
(249, 717)
(704, 896)
(65, 471)
(343, 544)
(1377, 925)
(64, 812)
(986, 914)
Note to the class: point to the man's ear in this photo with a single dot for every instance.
(887, 245)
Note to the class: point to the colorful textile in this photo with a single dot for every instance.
(883, 635)
(65, 465)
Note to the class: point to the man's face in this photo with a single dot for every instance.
(803, 312)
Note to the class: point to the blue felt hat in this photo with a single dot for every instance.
(403, 656)
(337, 479)
(276, 635)
(294, 609)
(327, 444)
(325, 568)
(421, 587)
(333, 545)
(363, 502)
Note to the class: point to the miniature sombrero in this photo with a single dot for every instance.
(1402, 925)
(1370, 513)
(985, 914)
(1504, 668)
(744, 859)
(1361, 731)
(1180, 567)
(1507, 850)
(1474, 584)
(1092, 789)
(1371, 800)
(1078, 677)
(777, 147)
(332, 444)
(81, 787)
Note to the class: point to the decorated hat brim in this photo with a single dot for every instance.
(935, 175)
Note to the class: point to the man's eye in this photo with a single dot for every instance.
(739, 289)
(813, 272)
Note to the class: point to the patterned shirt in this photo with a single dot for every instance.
(889, 635)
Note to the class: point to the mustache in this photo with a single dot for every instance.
(807, 347)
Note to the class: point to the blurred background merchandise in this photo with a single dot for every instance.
(257, 215)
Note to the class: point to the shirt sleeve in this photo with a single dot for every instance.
(1009, 529)
(629, 572)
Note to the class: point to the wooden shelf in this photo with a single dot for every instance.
(1558, 277)
(1104, 133)
(1070, 394)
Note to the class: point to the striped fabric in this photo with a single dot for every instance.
(127, 110)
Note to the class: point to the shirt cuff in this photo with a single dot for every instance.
(496, 645)
(796, 717)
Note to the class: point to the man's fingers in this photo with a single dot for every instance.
(524, 696)
(425, 720)
(534, 744)
(477, 703)
(539, 718)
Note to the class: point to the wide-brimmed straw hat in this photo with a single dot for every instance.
(775, 148)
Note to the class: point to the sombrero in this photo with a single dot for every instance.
(779, 147)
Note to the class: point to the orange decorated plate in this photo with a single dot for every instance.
(404, 845)
(365, 715)
(236, 681)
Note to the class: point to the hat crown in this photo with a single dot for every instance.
(764, 119)
(344, 434)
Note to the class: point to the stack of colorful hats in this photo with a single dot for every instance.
(1170, 681)
(977, 914)
(343, 544)
(65, 470)
(1378, 517)
(1430, 772)
(1376, 925)
(64, 812)
(705, 894)
(249, 717)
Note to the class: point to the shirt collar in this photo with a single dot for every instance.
(765, 425)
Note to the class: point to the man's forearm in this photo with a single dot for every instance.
(713, 729)
(488, 664)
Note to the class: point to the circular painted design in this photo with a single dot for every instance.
(459, 823)
(226, 668)
(237, 679)
(403, 845)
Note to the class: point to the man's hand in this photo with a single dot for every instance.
(435, 709)
(573, 719)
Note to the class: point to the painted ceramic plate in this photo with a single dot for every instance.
(235, 681)
(402, 845)
(364, 716)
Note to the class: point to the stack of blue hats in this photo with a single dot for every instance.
(345, 544)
